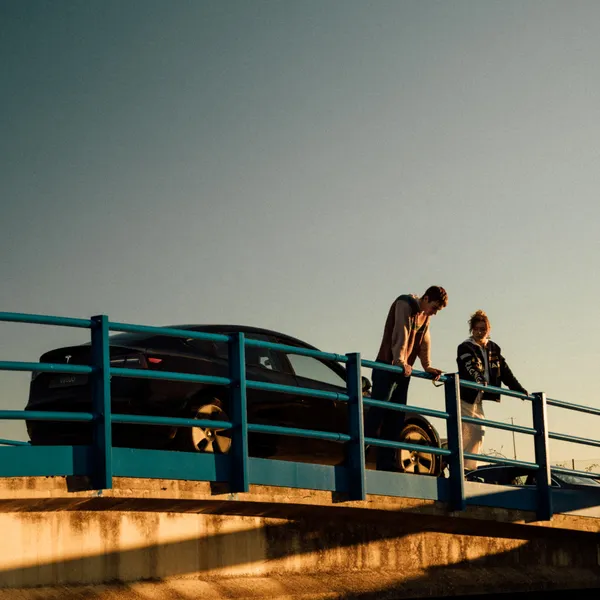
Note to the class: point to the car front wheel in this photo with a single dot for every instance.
(420, 462)
(205, 439)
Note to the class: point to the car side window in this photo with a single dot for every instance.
(493, 478)
(532, 480)
(311, 368)
(518, 480)
(208, 348)
(263, 358)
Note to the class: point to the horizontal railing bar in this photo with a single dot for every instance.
(370, 364)
(296, 350)
(45, 320)
(168, 375)
(8, 365)
(493, 389)
(570, 406)
(571, 438)
(168, 331)
(565, 471)
(498, 425)
(501, 461)
(292, 389)
(45, 415)
(407, 408)
(463, 383)
(407, 446)
(172, 421)
(293, 431)
(14, 443)
(210, 424)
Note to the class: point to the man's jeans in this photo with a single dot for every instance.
(383, 423)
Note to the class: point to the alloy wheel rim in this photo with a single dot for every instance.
(211, 440)
(413, 461)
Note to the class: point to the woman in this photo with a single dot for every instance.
(480, 360)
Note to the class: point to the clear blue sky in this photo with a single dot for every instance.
(297, 165)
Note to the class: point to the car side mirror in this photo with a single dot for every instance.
(366, 386)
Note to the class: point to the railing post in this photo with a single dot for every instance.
(356, 446)
(455, 444)
(542, 456)
(239, 414)
(102, 426)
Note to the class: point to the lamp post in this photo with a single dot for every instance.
(512, 420)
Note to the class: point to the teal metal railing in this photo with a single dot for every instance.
(96, 461)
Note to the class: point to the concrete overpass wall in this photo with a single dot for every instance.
(177, 539)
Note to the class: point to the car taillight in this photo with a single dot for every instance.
(154, 360)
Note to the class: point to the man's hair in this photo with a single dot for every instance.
(436, 293)
(478, 317)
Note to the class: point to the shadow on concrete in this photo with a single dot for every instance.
(532, 568)
(539, 562)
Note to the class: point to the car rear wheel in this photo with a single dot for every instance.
(413, 461)
(205, 439)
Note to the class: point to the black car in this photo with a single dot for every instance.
(509, 475)
(60, 392)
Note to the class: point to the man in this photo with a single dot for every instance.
(405, 336)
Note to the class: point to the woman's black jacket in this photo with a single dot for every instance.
(471, 367)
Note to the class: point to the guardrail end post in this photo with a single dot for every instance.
(542, 457)
(239, 480)
(102, 425)
(455, 444)
(356, 446)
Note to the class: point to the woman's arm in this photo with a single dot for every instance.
(469, 363)
(508, 379)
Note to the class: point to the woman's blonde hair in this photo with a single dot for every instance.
(477, 316)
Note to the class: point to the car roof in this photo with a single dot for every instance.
(486, 467)
(501, 467)
(516, 468)
(216, 328)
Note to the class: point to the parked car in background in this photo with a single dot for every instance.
(509, 475)
(67, 392)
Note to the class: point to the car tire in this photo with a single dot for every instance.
(444, 464)
(418, 462)
(203, 439)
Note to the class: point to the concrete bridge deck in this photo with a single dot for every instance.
(175, 539)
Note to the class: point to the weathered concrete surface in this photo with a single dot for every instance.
(199, 541)
(349, 586)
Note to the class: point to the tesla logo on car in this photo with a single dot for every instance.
(68, 357)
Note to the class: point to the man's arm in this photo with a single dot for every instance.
(424, 351)
(424, 357)
(400, 333)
